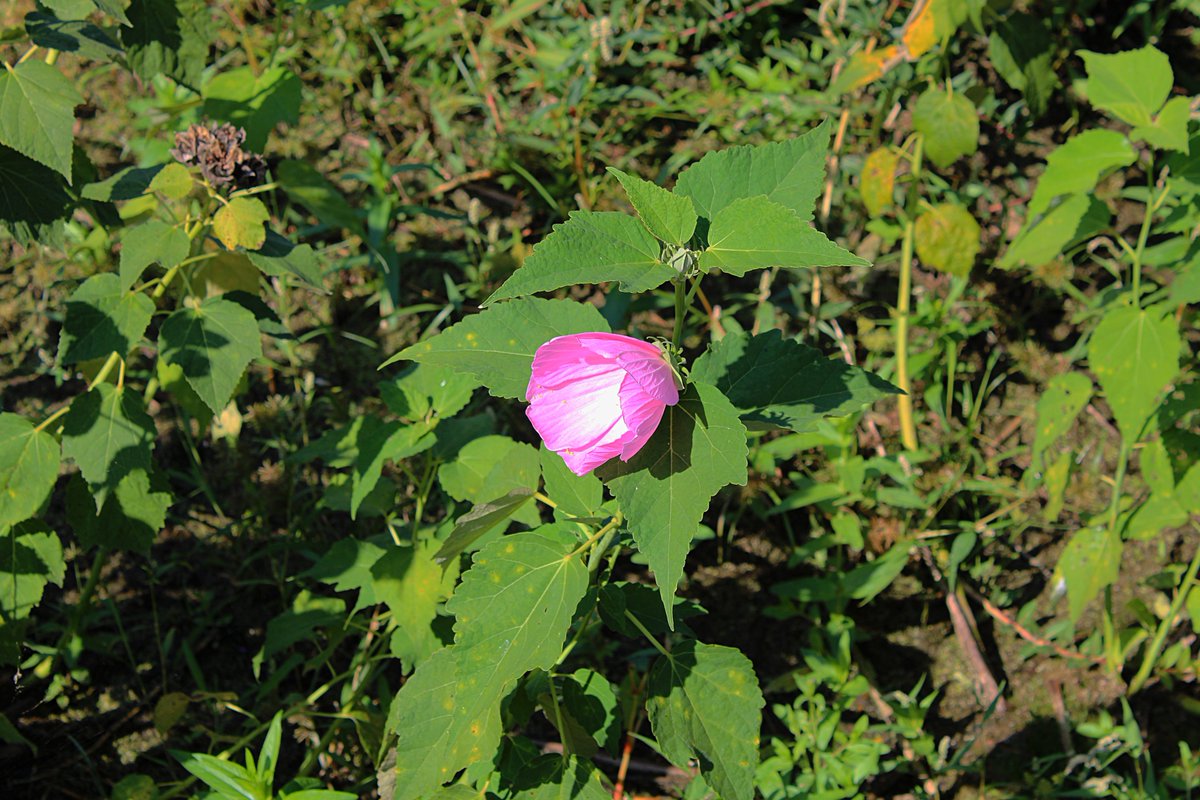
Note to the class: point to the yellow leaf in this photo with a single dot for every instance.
(878, 180)
(864, 67)
(919, 33)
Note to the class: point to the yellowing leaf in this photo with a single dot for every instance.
(878, 180)
(948, 238)
(920, 30)
(864, 67)
(241, 223)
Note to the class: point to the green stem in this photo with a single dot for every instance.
(1143, 234)
(908, 429)
(558, 720)
(608, 527)
(1114, 507)
(46, 668)
(1164, 627)
(649, 636)
(104, 372)
(680, 310)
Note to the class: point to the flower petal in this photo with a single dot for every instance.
(579, 414)
(653, 375)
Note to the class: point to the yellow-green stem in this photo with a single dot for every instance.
(680, 310)
(1168, 622)
(649, 636)
(908, 429)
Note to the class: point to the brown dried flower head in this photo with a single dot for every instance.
(217, 150)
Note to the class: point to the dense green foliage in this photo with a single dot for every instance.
(923, 522)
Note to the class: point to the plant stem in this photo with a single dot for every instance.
(1143, 234)
(649, 636)
(908, 429)
(1164, 627)
(103, 374)
(46, 668)
(680, 310)
(609, 526)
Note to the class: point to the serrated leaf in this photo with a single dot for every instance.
(561, 777)
(241, 223)
(412, 585)
(1076, 218)
(877, 182)
(948, 238)
(1022, 51)
(489, 467)
(255, 102)
(949, 123)
(777, 381)
(277, 257)
(308, 187)
(173, 180)
(577, 495)
(108, 434)
(1088, 563)
(482, 518)
(170, 37)
(1135, 354)
(130, 519)
(29, 461)
(664, 490)
(1078, 165)
(1061, 401)
(37, 114)
(670, 217)
(346, 566)
(497, 345)
(79, 37)
(380, 441)
(212, 343)
(424, 391)
(34, 202)
(126, 184)
(1132, 85)
(114, 8)
(864, 67)
(144, 244)
(31, 556)
(704, 702)
(590, 247)
(756, 233)
(1169, 129)
(789, 173)
(102, 319)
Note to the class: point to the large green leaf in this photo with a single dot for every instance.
(108, 434)
(704, 703)
(212, 343)
(1076, 218)
(1089, 562)
(152, 241)
(576, 495)
(1169, 129)
(37, 113)
(28, 468)
(378, 442)
(132, 516)
(590, 247)
(278, 257)
(412, 585)
(497, 345)
(777, 381)
(102, 319)
(34, 202)
(1132, 86)
(170, 37)
(31, 556)
(256, 102)
(664, 490)
(949, 123)
(561, 777)
(757, 233)
(1078, 165)
(670, 217)
(1135, 354)
(423, 391)
(789, 173)
(490, 467)
(78, 37)
(1061, 401)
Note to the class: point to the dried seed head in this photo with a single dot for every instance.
(217, 150)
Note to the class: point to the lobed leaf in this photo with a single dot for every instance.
(1132, 85)
(101, 319)
(212, 343)
(108, 433)
(150, 242)
(670, 217)
(37, 114)
(1135, 355)
(29, 461)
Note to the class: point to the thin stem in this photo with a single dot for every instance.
(46, 668)
(46, 422)
(1168, 622)
(104, 372)
(558, 720)
(680, 310)
(541, 498)
(649, 636)
(611, 525)
(1143, 234)
(908, 429)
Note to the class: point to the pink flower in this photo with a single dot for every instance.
(593, 396)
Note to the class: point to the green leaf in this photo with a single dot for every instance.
(173, 180)
(108, 434)
(346, 566)
(126, 184)
(1169, 130)
(152, 241)
(664, 490)
(489, 467)
(130, 519)
(1061, 401)
(311, 189)
(101, 319)
(590, 247)
(780, 382)
(1132, 86)
(561, 777)
(31, 556)
(481, 519)
(412, 585)
(278, 257)
(1135, 354)
(37, 114)
(577, 495)
(34, 202)
(1022, 51)
(1075, 219)
(949, 123)
(590, 709)
(212, 343)
(256, 102)
(241, 223)
(308, 614)
(70, 9)
(703, 702)
(670, 217)
(115, 9)
(948, 238)
(789, 173)
(644, 603)
(756, 233)
(434, 738)
(79, 37)
(1088, 563)
(380, 441)
(1078, 165)
(224, 777)
(29, 461)
(170, 37)
(424, 391)
(497, 345)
